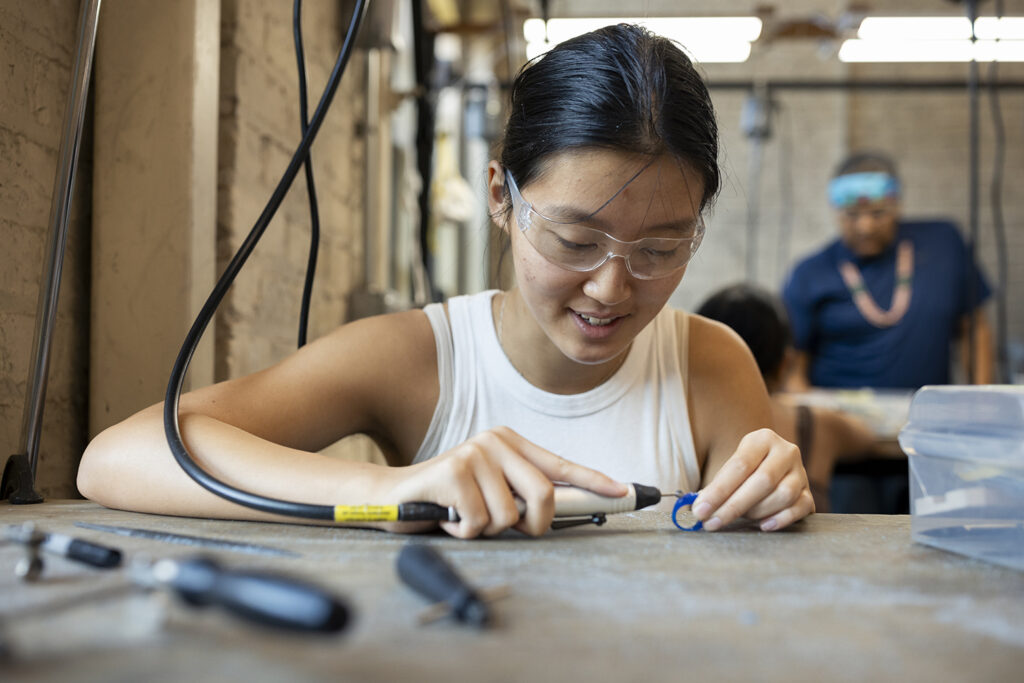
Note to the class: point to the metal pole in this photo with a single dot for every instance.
(973, 179)
(20, 472)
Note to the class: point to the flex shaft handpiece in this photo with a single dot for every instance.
(571, 503)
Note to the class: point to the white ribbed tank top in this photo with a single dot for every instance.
(634, 427)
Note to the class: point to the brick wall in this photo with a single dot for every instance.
(259, 129)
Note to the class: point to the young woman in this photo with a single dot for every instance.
(579, 374)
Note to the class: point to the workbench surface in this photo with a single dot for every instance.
(838, 597)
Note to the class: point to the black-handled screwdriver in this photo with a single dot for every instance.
(77, 549)
(80, 550)
(270, 599)
(426, 571)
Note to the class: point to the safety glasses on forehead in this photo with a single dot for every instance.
(575, 246)
(847, 190)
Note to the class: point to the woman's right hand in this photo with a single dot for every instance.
(483, 476)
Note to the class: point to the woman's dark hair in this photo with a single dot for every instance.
(865, 162)
(757, 317)
(619, 87)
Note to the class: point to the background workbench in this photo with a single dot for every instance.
(838, 597)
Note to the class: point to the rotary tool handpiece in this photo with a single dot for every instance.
(570, 501)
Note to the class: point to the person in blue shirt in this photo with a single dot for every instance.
(882, 305)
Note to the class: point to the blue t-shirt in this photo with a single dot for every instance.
(846, 350)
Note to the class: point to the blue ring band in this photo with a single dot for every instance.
(683, 501)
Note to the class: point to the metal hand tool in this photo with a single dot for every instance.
(573, 506)
(426, 571)
(80, 550)
(182, 539)
(263, 597)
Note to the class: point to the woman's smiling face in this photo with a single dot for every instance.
(592, 317)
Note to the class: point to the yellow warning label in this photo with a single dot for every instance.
(365, 513)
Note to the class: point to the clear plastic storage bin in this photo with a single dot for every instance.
(965, 447)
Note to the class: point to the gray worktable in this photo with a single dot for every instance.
(839, 597)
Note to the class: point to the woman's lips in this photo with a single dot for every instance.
(597, 327)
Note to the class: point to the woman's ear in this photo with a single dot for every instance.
(496, 203)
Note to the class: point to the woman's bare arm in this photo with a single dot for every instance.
(258, 433)
(749, 470)
(261, 432)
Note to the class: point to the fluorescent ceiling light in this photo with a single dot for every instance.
(931, 51)
(940, 28)
(936, 39)
(1004, 28)
(914, 28)
(707, 39)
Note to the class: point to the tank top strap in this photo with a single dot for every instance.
(445, 379)
(678, 396)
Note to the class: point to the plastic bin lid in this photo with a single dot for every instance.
(977, 423)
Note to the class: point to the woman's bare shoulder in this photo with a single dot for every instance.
(713, 344)
(727, 395)
(386, 355)
(360, 378)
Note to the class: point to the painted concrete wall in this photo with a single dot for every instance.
(36, 55)
(154, 198)
(257, 324)
(259, 128)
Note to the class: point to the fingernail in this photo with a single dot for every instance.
(701, 509)
(770, 525)
(713, 524)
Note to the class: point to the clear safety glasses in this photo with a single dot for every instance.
(574, 246)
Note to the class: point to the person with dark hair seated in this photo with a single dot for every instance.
(824, 436)
(882, 305)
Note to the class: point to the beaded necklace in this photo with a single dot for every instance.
(900, 297)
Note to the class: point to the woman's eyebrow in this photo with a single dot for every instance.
(564, 213)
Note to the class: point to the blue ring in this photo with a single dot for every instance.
(681, 501)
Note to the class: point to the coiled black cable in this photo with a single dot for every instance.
(172, 429)
(314, 208)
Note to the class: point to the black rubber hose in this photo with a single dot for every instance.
(314, 208)
(172, 429)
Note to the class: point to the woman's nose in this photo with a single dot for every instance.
(610, 283)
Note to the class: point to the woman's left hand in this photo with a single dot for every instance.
(764, 480)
